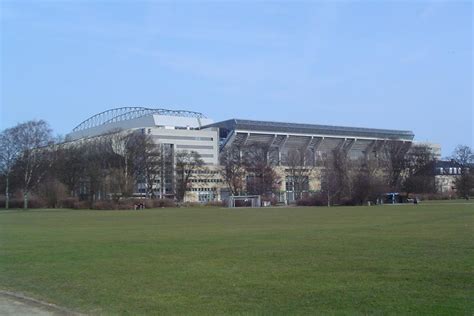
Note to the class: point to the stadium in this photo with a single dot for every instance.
(183, 130)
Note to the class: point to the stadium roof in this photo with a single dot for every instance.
(129, 113)
(341, 131)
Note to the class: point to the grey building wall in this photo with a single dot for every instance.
(204, 142)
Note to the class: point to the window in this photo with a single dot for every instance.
(195, 146)
(297, 183)
(206, 196)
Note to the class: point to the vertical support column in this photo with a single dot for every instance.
(280, 149)
(347, 147)
(379, 146)
(162, 172)
(316, 148)
(173, 160)
(245, 139)
(341, 145)
(305, 149)
(369, 149)
(270, 148)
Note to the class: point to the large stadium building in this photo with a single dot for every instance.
(193, 131)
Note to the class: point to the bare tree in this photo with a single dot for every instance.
(369, 181)
(148, 162)
(464, 183)
(9, 153)
(337, 177)
(298, 172)
(341, 169)
(463, 155)
(121, 178)
(420, 171)
(109, 165)
(96, 159)
(261, 176)
(69, 166)
(34, 159)
(328, 180)
(395, 155)
(187, 162)
(233, 170)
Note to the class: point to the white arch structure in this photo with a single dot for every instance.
(130, 113)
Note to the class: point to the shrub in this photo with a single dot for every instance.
(348, 202)
(436, 196)
(163, 203)
(52, 192)
(104, 205)
(148, 203)
(14, 203)
(125, 204)
(269, 198)
(216, 203)
(81, 205)
(17, 202)
(316, 199)
(75, 203)
(37, 202)
(68, 202)
(206, 204)
(190, 204)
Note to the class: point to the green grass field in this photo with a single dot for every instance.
(411, 259)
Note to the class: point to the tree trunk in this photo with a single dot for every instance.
(126, 177)
(7, 192)
(25, 200)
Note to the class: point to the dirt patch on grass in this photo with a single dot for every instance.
(12, 303)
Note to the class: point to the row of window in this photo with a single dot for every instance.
(206, 180)
(207, 196)
(204, 172)
(183, 137)
(449, 170)
(194, 147)
(202, 189)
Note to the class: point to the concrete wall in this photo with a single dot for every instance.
(445, 183)
(204, 142)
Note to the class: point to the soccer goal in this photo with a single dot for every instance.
(245, 201)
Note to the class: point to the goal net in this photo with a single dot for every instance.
(244, 201)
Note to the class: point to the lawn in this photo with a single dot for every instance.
(411, 259)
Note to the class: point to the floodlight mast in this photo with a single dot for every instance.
(129, 113)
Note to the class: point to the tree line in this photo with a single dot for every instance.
(394, 167)
(114, 166)
(107, 167)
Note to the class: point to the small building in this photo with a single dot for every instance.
(445, 173)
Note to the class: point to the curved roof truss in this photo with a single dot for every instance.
(130, 113)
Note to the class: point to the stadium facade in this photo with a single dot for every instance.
(315, 140)
(193, 131)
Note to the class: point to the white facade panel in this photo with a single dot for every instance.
(145, 121)
(204, 142)
(180, 121)
(148, 121)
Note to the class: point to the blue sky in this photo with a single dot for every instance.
(399, 65)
